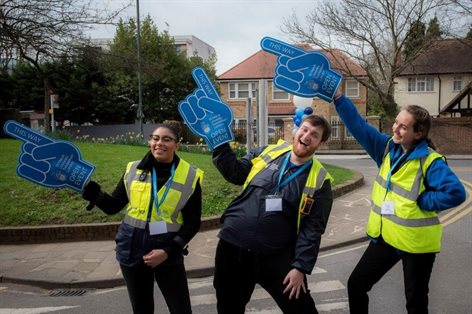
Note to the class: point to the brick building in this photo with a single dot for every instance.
(241, 82)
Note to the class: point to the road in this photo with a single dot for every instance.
(450, 288)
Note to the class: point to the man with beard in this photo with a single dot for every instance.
(271, 232)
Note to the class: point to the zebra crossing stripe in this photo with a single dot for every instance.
(260, 293)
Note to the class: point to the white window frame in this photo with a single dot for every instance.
(277, 91)
(351, 91)
(347, 134)
(457, 84)
(420, 84)
(335, 123)
(234, 90)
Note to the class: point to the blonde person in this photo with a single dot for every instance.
(162, 197)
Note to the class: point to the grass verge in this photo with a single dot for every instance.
(28, 204)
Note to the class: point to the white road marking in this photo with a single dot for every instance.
(37, 310)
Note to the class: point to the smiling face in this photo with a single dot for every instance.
(307, 140)
(163, 144)
(403, 130)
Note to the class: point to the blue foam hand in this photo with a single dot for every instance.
(300, 72)
(205, 113)
(47, 162)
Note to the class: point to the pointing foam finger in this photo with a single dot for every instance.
(203, 82)
(25, 134)
(280, 48)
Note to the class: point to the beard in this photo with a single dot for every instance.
(302, 151)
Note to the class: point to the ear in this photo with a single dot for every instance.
(418, 136)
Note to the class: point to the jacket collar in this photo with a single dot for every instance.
(149, 161)
(420, 150)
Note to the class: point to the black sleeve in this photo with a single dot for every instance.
(109, 204)
(234, 170)
(312, 227)
(191, 213)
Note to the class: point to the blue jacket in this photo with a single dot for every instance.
(443, 188)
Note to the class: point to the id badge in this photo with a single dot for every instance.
(388, 208)
(157, 227)
(273, 203)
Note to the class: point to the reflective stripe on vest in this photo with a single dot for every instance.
(274, 149)
(182, 187)
(315, 179)
(409, 229)
(141, 224)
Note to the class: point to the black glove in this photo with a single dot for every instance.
(91, 192)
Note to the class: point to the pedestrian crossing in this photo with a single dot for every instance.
(202, 295)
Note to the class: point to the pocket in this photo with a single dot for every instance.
(137, 191)
(124, 240)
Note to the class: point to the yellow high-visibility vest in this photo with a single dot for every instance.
(314, 182)
(139, 188)
(409, 229)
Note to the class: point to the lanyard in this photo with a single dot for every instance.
(389, 176)
(280, 183)
(154, 187)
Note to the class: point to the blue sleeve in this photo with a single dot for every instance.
(372, 140)
(443, 188)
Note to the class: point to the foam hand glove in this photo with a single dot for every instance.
(48, 162)
(205, 113)
(302, 73)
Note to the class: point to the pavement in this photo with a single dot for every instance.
(92, 264)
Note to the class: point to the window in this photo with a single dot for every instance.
(352, 88)
(335, 124)
(420, 84)
(347, 134)
(278, 94)
(242, 90)
(457, 84)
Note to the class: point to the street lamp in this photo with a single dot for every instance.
(140, 100)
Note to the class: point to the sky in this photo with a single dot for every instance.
(233, 27)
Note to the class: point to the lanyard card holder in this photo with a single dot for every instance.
(307, 205)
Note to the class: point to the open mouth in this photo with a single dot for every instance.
(300, 142)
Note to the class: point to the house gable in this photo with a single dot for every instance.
(436, 77)
(261, 66)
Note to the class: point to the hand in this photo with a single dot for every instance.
(47, 162)
(155, 257)
(305, 74)
(295, 283)
(205, 113)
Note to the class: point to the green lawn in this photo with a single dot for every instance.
(25, 203)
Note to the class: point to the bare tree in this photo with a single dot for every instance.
(373, 33)
(39, 30)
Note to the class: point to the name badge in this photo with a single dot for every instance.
(273, 203)
(388, 208)
(157, 227)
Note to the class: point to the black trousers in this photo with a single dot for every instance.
(171, 279)
(377, 260)
(237, 271)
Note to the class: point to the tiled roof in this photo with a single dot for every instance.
(447, 56)
(261, 65)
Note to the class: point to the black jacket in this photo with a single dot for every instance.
(133, 243)
(247, 225)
